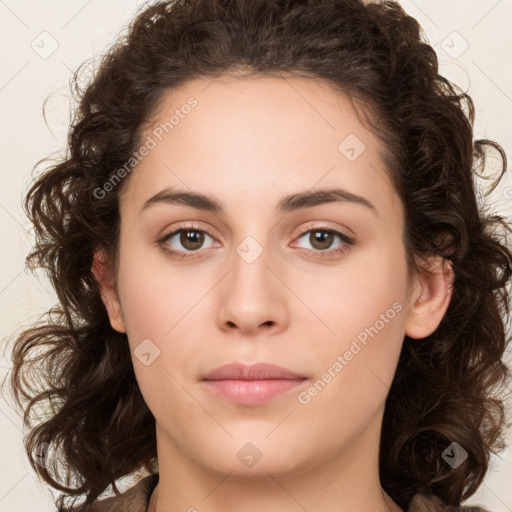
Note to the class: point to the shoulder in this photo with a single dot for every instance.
(135, 499)
(430, 503)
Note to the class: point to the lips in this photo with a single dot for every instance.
(259, 371)
(251, 385)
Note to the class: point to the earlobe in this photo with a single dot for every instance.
(430, 298)
(109, 294)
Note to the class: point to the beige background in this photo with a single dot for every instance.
(472, 38)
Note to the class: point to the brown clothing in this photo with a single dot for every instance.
(136, 499)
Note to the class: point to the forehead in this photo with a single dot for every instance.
(260, 104)
(253, 135)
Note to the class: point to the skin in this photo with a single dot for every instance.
(248, 142)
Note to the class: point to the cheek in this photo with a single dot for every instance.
(369, 289)
(158, 310)
(363, 316)
(154, 295)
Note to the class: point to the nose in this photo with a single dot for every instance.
(252, 296)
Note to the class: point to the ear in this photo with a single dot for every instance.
(109, 294)
(430, 297)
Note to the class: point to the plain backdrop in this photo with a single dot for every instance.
(41, 43)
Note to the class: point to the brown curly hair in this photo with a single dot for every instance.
(447, 387)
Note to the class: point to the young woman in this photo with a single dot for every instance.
(277, 290)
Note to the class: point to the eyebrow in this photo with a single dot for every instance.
(293, 202)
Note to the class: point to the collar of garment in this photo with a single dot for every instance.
(136, 499)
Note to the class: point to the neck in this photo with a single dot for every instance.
(390, 505)
(344, 481)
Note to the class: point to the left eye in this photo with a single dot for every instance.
(192, 239)
(322, 239)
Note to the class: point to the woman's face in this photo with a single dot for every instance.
(259, 279)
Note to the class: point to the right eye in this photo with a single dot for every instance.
(191, 238)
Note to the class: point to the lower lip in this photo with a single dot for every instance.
(252, 392)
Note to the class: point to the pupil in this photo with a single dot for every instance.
(322, 237)
(191, 239)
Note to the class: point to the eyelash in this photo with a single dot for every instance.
(348, 241)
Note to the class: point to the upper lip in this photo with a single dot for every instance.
(258, 371)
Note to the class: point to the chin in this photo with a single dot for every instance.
(247, 457)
